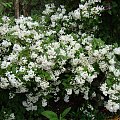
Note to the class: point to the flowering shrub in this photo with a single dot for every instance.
(54, 58)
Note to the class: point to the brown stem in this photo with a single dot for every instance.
(17, 13)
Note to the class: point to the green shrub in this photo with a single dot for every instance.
(57, 61)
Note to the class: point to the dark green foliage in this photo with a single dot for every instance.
(110, 26)
(53, 116)
(6, 7)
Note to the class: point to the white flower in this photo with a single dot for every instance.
(13, 57)
(96, 53)
(5, 19)
(32, 99)
(21, 89)
(13, 81)
(84, 75)
(4, 83)
(112, 106)
(54, 18)
(24, 60)
(86, 95)
(37, 79)
(11, 117)
(76, 14)
(29, 106)
(34, 55)
(31, 65)
(75, 61)
(31, 73)
(79, 80)
(44, 84)
(44, 102)
(112, 61)
(116, 73)
(71, 54)
(117, 51)
(5, 64)
(26, 78)
(61, 32)
(66, 38)
(22, 68)
(17, 48)
(51, 52)
(57, 73)
(91, 78)
(103, 51)
(76, 91)
(103, 66)
(117, 86)
(6, 43)
(104, 88)
(91, 68)
(88, 47)
(34, 107)
(11, 95)
(66, 98)
(57, 99)
(113, 97)
(77, 46)
(53, 24)
(69, 91)
(111, 68)
(62, 52)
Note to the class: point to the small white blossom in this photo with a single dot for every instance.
(117, 51)
(69, 91)
(44, 102)
(112, 106)
(5, 64)
(6, 43)
(66, 98)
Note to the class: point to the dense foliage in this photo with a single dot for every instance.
(58, 61)
(109, 29)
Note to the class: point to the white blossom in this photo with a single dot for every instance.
(117, 51)
(112, 106)
(44, 102)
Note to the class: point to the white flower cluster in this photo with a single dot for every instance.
(9, 117)
(42, 56)
(112, 106)
(86, 11)
(88, 111)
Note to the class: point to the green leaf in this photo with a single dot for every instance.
(54, 119)
(4, 4)
(110, 12)
(65, 112)
(96, 43)
(14, 69)
(50, 115)
(110, 82)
